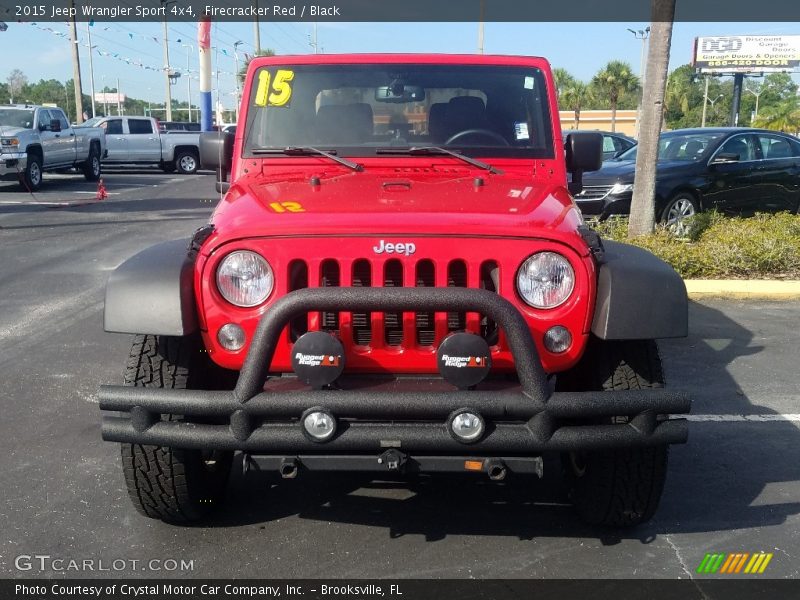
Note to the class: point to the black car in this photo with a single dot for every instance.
(733, 170)
(614, 144)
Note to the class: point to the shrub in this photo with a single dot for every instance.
(716, 247)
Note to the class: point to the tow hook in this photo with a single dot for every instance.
(289, 468)
(496, 469)
(393, 460)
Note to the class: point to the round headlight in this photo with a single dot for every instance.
(244, 278)
(545, 280)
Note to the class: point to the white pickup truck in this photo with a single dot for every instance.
(137, 140)
(34, 139)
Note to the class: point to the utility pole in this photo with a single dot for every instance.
(76, 69)
(167, 72)
(189, 48)
(91, 64)
(257, 31)
(314, 42)
(641, 34)
(119, 99)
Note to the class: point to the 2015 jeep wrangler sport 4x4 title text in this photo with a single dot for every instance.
(397, 279)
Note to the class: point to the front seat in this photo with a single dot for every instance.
(344, 123)
(465, 112)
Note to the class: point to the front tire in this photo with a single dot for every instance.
(172, 484)
(620, 487)
(31, 177)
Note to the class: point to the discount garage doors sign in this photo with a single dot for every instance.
(747, 53)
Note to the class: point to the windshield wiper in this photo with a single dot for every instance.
(309, 150)
(422, 150)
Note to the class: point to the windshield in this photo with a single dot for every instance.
(91, 122)
(15, 117)
(357, 110)
(686, 146)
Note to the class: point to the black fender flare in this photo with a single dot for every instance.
(639, 296)
(153, 292)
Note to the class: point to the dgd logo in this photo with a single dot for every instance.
(721, 44)
(734, 564)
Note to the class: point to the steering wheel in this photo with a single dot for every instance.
(487, 133)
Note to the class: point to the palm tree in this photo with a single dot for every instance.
(615, 81)
(783, 117)
(573, 98)
(563, 79)
(642, 213)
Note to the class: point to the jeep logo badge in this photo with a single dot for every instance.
(400, 248)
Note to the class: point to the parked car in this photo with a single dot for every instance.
(732, 170)
(444, 251)
(614, 143)
(137, 140)
(34, 139)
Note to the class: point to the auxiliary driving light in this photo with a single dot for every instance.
(557, 339)
(231, 337)
(466, 426)
(319, 425)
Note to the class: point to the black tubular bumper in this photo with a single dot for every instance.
(521, 422)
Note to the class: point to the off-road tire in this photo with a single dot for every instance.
(92, 168)
(172, 484)
(619, 487)
(30, 179)
(184, 159)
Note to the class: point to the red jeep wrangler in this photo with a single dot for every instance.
(396, 280)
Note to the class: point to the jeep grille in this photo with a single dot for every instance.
(387, 329)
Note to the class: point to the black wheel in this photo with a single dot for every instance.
(31, 178)
(678, 211)
(618, 487)
(187, 162)
(171, 484)
(91, 168)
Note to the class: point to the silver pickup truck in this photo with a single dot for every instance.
(34, 139)
(137, 140)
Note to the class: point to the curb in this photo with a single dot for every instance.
(750, 289)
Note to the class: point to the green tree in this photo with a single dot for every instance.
(616, 81)
(264, 52)
(16, 80)
(781, 117)
(563, 80)
(574, 98)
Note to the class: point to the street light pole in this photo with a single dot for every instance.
(105, 97)
(236, 61)
(641, 34)
(708, 100)
(167, 73)
(189, 48)
(758, 95)
(480, 29)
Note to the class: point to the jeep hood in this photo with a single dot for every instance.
(410, 201)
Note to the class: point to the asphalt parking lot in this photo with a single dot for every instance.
(735, 487)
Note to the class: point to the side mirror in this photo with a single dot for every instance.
(55, 125)
(216, 153)
(584, 152)
(725, 157)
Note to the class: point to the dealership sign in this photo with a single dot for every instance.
(743, 53)
(108, 97)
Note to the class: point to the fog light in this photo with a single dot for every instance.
(466, 425)
(557, 339)
(318, 424)
(231, 337)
